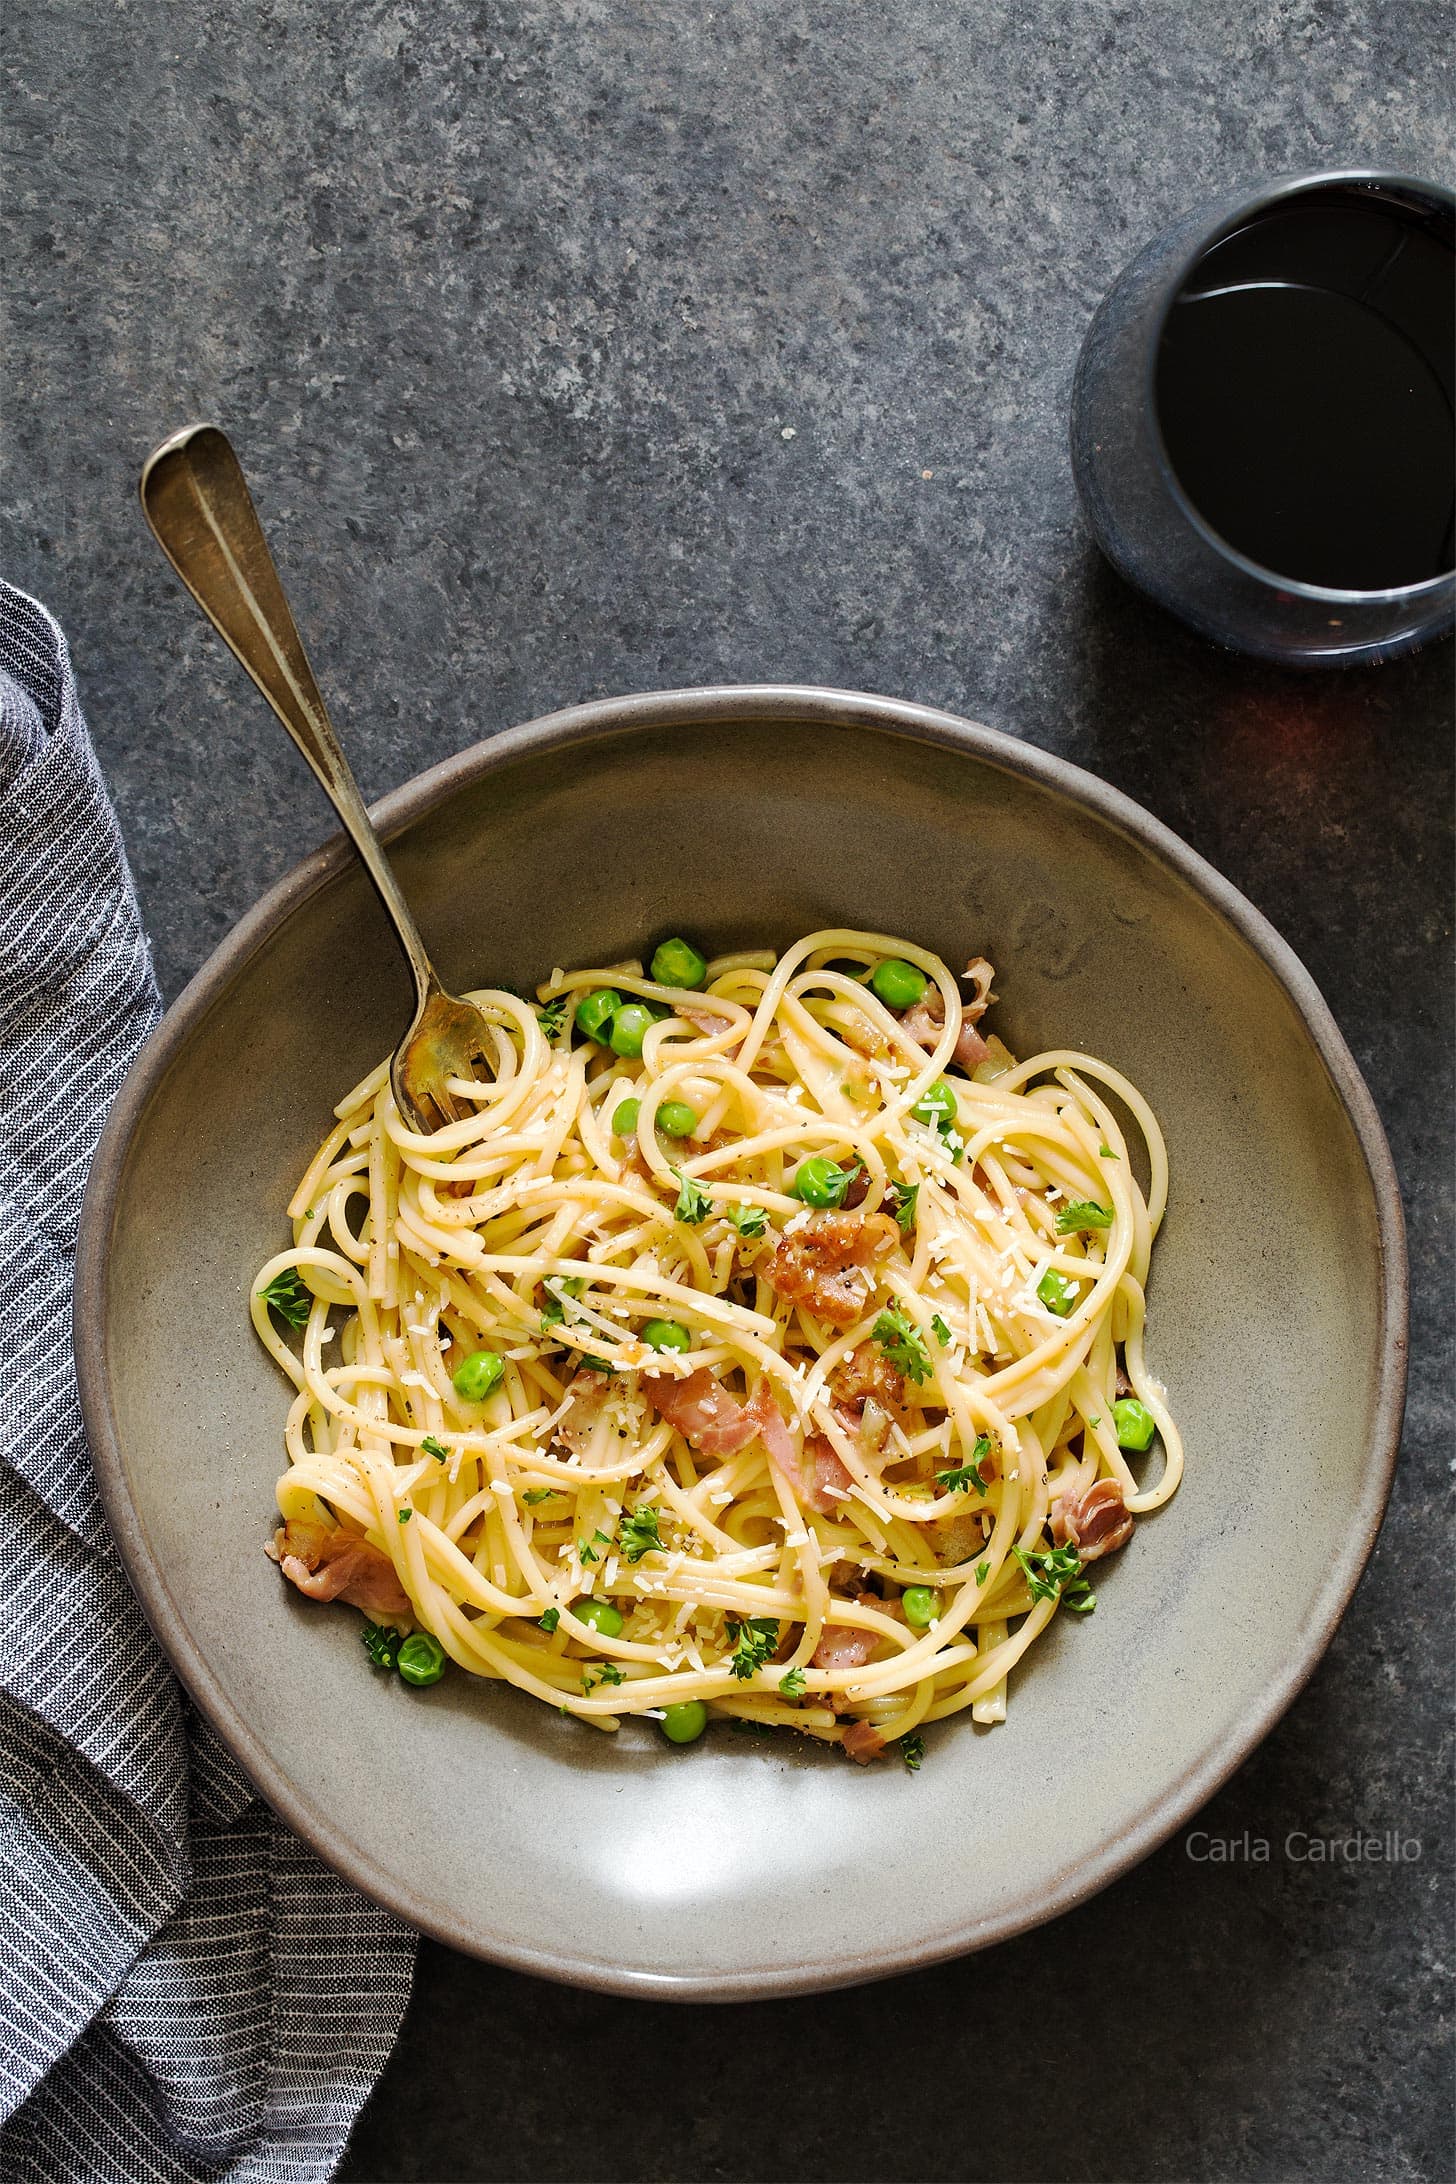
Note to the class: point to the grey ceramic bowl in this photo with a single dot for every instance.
(739, 1866)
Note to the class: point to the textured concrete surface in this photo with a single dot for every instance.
(580, 346)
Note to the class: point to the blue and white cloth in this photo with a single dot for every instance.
(185, 1992)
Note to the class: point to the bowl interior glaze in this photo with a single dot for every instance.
(741, 1865)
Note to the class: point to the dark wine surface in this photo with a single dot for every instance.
(1304, 392)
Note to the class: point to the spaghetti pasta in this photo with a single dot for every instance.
(771, 1348)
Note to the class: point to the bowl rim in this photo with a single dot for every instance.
(600, 720)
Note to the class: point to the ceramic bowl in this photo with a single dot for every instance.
(746, 1866)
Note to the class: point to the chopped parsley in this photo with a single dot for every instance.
(549, 1620)
(753, 1643)
(535, 1494)
(607, 1672)
(290, 1296)
(902, 1204)
(593, 1364)
(912, 1751)
(1083, 1213)
(903, 1344)
(405, 1515)
(1057, 1575)
(981, 1569)
(382, 1643)
(1105, 1152)
(437, 1449)
(551, 1016)
(639, 1533)
(587, 1548)
(960, 1476)
(693, 1203)
(748, 1220)
(942, 1332)
(791, 1683)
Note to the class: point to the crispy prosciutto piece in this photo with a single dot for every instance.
(957, 1539)
(868, 1394)
(824, 1264)
(864, 1037)
(328, 1563)
(863, 1741)
(1095, 1523)
(866, 1376)
(703, 1411)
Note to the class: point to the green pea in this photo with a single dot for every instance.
(594, 1011)
(600, 1616)
(624, 1117)
(820, 1181)
(478, 1374)
(1135, 1423)
(676, 1119)
(685, 1722)
(899, 985)
(937, 1106)
(421, 1659)
(665, 1334)
(921, 1606)
(1056, 1292)
(677, 963)
(629, 1027)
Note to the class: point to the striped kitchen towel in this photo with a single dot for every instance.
(185, 1992)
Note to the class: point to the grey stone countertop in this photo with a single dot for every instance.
(583, 346)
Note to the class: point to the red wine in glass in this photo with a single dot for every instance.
(1264, 421)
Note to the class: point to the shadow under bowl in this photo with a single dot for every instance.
(740, 1866)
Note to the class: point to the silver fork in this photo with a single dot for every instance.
(197, 502)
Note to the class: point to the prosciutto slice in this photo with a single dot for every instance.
(823, 1481)
(328, 1563)
(1095, 1523)
(841, 1647)
(705, 1018)
(717, 1424)
(768, 1424)
(926, 1021)
(812, 1474)
(704, 1413)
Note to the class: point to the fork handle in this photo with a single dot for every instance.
(196, 499)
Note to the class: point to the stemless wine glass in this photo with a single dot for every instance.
(1142, 512)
